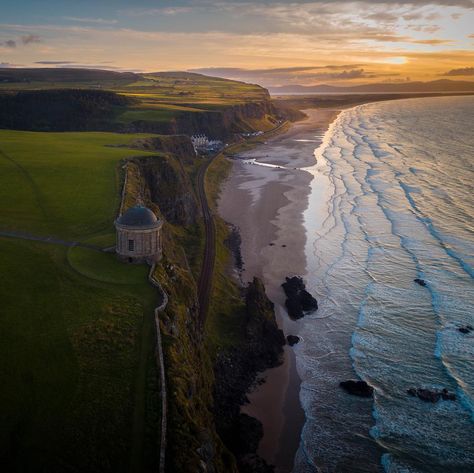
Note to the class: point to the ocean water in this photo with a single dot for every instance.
(392, 200)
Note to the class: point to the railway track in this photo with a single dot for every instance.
(207, 268)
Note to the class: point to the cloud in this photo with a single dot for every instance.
(30, 38)
(54, 62)
(166, 11)
(304, 75)
(275, 71)
(99, 21)
(7, 65)
(424, 28)
(77, 65)
(385, 17)
(463, 71)
(433, 42)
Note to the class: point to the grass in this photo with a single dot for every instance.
(105, 267)
(161, 96)
(61, 184)
(76, 338)
(153, 115)
(224, 325)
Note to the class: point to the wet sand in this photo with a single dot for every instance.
(267, 205)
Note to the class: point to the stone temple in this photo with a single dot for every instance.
(139, 236)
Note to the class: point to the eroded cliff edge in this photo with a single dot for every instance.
(208, 369)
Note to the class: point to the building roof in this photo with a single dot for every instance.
(138, 216)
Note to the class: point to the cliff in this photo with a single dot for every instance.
(61, 110)
(163, 182)
(100, 110)
(166, 179)
(221, 123)
(236, 370)
(207, 375)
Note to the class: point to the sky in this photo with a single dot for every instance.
(268, 42)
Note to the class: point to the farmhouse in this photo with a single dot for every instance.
(139, 235)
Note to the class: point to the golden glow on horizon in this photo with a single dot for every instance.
(315, 42)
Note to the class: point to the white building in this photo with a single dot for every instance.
(202, 143)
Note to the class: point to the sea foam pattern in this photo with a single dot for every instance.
(392, 200)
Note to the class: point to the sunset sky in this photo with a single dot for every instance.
(270, 42)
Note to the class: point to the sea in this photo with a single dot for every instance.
(391, 201)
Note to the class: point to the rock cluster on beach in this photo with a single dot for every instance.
(465, 329)
(421, 282)
(357, 388)
(298, 299)
(292, 340)
(431, 395)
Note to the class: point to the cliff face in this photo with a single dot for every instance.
(60, 110)
(165, 178)
(235, 372)
(180, 146)
(218, 124)
(170, 189)
(192, 442)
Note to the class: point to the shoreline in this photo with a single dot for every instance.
(269, 216)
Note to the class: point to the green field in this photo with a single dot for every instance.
(160, 96)
(76, 342)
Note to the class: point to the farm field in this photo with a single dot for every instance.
(75, 324)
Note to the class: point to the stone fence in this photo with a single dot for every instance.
(161, 363)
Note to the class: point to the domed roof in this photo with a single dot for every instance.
(138, 216)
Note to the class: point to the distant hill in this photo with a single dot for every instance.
(62, 75)
(443, 85)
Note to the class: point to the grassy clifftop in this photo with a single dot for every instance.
(76, 325)
(169, 102)
(83, 390)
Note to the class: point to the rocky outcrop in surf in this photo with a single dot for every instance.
(298, 299)
(357, 388)
(292, 340)
(432, 395)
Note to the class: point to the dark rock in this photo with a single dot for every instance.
(466, 329)
(299, 300)
(447, 396)
(421, 282)
(254, 464)
(247, 434)
(433, 396)
(170, 189)
(236, 372)
(292, 340)
(357, 388)
(283, 246)
(234, 242)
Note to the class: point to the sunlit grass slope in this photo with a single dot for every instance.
(61, 184)
(159, 96)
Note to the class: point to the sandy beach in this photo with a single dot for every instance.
(267, 203)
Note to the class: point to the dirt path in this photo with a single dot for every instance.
(47, 239)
